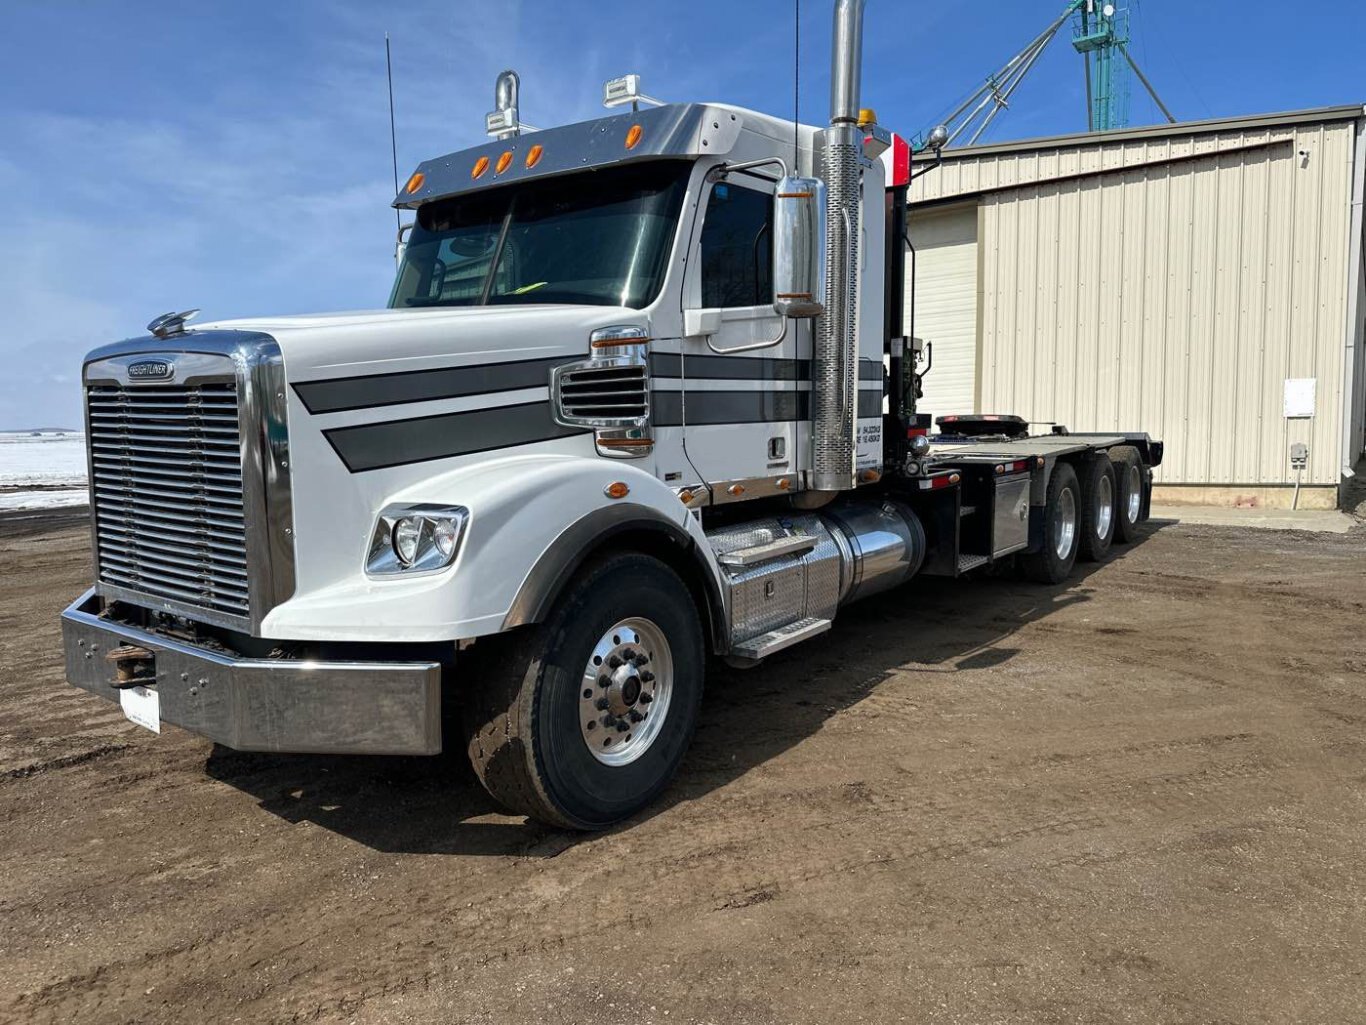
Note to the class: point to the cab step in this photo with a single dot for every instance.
(798, 544)
(783, 637)
(970, 562)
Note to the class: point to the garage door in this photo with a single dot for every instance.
(946, 305)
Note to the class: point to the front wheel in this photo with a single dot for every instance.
(582, 721)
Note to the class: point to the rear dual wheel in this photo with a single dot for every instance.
(1054, 560)
(1128, 492)
(1098, 512)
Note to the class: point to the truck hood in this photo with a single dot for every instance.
(369, 342)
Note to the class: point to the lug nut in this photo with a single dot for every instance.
(604, 681)
(636, 716)
(645, 697)
(642, 659)
(621, 726)
(646, 676)
(629, 654)
(614, 661)
(602, 704)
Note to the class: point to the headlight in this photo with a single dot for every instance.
(416, 538)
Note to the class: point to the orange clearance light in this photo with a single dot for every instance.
(736, 489)
(633, 136)
(415, 182)
(504, 162)
(617, 489)
(533, 155)
(869, 476)
(480, 166)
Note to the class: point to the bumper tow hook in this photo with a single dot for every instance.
(134, 666)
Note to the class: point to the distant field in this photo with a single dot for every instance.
(43, 472)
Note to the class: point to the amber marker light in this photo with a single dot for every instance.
(633, 135)
(480, 166)
(415, 182)
(533, 156)
(617, 489)
(504, 162)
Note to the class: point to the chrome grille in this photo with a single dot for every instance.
(603, 393)
(167, 493)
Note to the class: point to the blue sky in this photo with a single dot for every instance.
(235, 156)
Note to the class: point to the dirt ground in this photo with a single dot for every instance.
(1137, 798)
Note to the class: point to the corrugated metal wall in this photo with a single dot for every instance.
(945, 290)
(1171, 286)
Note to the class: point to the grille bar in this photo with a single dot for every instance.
(167, 493)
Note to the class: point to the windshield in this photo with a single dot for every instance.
(597, 237)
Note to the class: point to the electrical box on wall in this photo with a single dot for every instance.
(1299, 397)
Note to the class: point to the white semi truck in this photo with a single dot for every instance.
(641, 397)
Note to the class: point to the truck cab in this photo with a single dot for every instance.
(640, 397)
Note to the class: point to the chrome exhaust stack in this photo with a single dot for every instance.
(836, 345)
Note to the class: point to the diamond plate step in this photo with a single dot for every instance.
(969, 562)
(783, 637)
(798, 544)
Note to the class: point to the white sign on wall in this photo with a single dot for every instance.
(1299, 397)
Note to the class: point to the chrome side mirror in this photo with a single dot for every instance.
(799, 247)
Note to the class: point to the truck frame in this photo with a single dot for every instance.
(641, 397)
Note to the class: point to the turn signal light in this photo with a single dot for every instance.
(617, 489)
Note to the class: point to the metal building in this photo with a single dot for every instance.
(1203, 281)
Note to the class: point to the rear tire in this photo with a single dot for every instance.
(1128, 492)
(538, 736)
(1053, 562)
(1098, 508)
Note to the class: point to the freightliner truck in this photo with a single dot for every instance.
(642, 397)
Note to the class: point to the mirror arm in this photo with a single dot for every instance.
(720, 171)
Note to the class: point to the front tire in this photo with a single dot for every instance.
(582, 721)
(1053, 562)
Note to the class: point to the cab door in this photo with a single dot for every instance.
(746, 387)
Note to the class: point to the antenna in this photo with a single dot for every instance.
(796, 85)
(393, 135)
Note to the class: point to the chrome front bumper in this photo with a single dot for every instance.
(267, 704)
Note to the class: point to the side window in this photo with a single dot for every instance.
(737, 247)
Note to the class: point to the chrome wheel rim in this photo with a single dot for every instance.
(1065, 524)
(625, 692)
(1135, 505)
(1105, 507)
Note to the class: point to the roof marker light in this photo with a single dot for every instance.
(415, 182)
(480, 166)
(533, 155)
(504, 162)
(633, 136)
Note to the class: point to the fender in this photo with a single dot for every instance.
(558, 564)
(533, 519)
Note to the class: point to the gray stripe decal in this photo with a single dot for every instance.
(708, 408)
(733, 368)
(745, 368)
(347, 393)
(730, 407)
(399, 442)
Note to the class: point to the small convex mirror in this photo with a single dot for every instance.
(799, 247)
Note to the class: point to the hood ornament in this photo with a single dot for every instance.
(170, 324)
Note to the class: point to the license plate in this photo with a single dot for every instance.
(142, 706)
